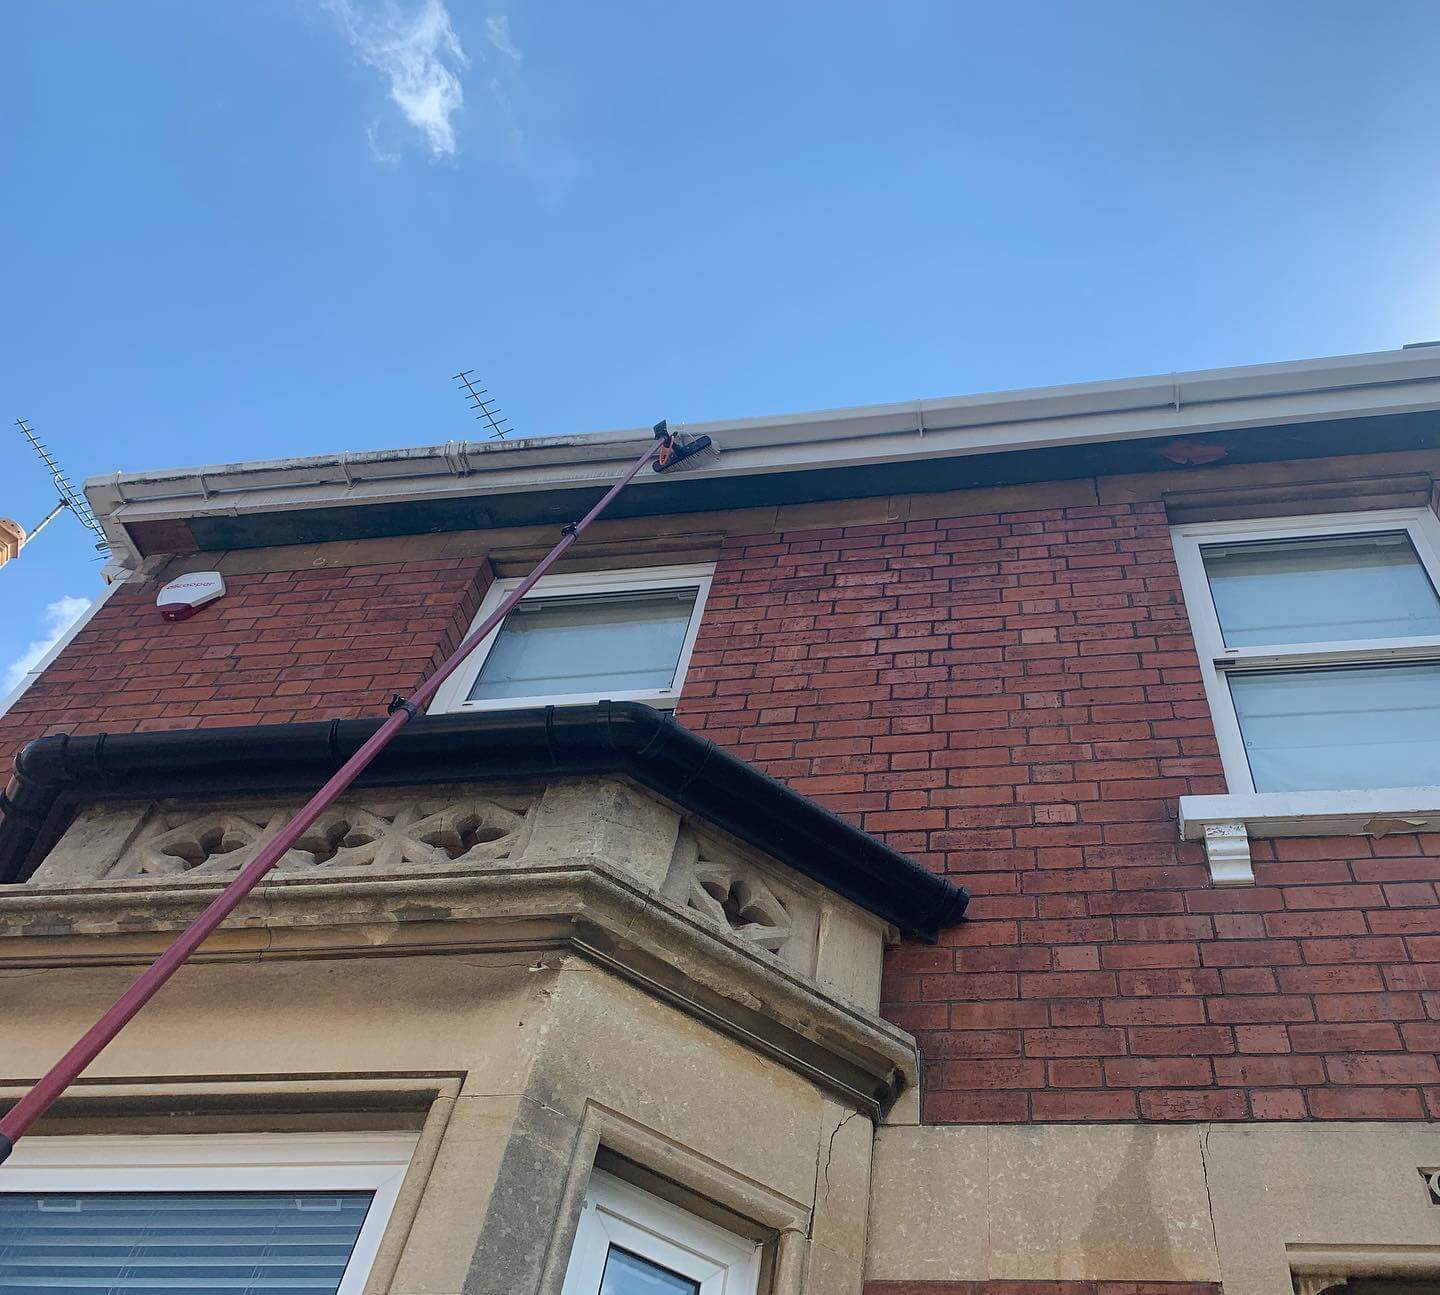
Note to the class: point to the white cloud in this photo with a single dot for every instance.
(377, 150)
(417, 51)
(59, 617)
(497, 30)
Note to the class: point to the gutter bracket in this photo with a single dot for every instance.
(456, 455)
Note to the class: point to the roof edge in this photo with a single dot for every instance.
(1176, 404)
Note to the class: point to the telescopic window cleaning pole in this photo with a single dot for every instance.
(669, 451)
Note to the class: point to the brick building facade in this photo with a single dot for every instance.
(1014, 699)
(998, 678)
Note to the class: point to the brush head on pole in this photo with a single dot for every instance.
(679, 453)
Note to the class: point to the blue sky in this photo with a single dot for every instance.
(278, 227)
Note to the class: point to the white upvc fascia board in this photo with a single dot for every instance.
(1314, 813)
(1176, 404)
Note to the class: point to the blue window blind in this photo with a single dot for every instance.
(157, 1243)
(596, 643)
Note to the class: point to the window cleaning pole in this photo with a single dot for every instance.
(669, 451)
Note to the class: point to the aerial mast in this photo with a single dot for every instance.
(13, 536)
(485, 407)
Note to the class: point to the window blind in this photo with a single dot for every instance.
(1329, 589)
(136, 1243)
(588, 644)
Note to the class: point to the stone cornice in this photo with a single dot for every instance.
(581, 907)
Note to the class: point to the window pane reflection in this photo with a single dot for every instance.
(1327, 729)
(1334, 589)
(627, 1274)
(595, 644)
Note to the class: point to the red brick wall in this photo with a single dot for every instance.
(1012, 699)
(1015, 700)
(331, 643)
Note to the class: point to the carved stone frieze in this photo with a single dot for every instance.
(749, 901)
(733, 892)
(745, 904)
(366, 833)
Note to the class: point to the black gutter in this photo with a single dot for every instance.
(54, 776)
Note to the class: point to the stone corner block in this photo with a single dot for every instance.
(608, 820)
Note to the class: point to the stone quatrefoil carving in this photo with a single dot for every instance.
(473, 830)
(743, 902)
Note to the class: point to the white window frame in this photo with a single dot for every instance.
(1217, 661)
(617, 1213)
(224, 1162)
(454, 692)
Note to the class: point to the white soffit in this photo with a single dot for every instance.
(1356, 386)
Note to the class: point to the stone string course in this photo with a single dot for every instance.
(1012, 699)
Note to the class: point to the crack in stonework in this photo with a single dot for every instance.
(830, 1152)
(1209, 1198)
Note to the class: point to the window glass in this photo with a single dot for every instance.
(1331, 589)
(627, 1274)
(146, 1243)
(631, 1243)
(594, 644)
(1351, 727)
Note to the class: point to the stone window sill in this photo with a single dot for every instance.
(1227, 824)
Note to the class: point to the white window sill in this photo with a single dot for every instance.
(659, 700)
(1227, 824)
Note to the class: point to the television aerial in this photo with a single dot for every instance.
(14, 537)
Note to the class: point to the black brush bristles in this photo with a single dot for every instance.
(681, 453)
